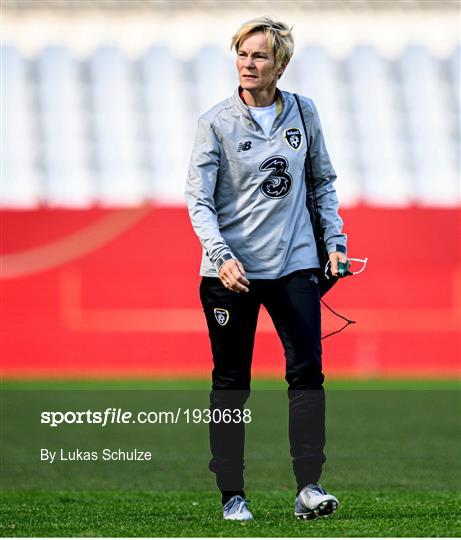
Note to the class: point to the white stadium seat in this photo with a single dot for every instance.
(21, 180)
(116, 128)
(431, 126)
(319, 78)
(166, 92)
(373, 96)
(63, 130)
(215, 76)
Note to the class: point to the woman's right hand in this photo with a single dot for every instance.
(232, 276)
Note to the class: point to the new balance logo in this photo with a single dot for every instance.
(244, 146)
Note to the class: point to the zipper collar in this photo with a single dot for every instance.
(243, 108)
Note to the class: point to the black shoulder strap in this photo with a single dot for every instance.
(309, 177)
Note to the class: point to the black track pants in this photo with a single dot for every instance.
(293, 302)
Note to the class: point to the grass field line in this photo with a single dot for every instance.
(200, 383)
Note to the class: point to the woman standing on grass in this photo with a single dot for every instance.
(246, 196)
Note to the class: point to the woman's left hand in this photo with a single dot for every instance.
(335, 258)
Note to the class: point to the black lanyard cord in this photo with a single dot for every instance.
(348, 321)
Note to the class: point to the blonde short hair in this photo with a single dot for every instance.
(279, 37)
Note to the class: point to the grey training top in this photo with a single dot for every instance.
(246, 192)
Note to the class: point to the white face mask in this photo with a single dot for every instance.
(353, 271)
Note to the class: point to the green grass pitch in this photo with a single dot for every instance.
(394, 456)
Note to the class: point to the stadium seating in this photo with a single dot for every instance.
(319, 77)
(116, 127)
(431, 126)
(21, 185)
(114, 130)
(63, 130)
(166, 95)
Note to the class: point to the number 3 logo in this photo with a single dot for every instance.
(278, 184)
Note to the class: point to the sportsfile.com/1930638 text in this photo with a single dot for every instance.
(113, 415)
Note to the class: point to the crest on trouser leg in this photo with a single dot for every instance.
(221, 315)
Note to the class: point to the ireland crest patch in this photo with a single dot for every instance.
(293, 137)
(221, 315)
